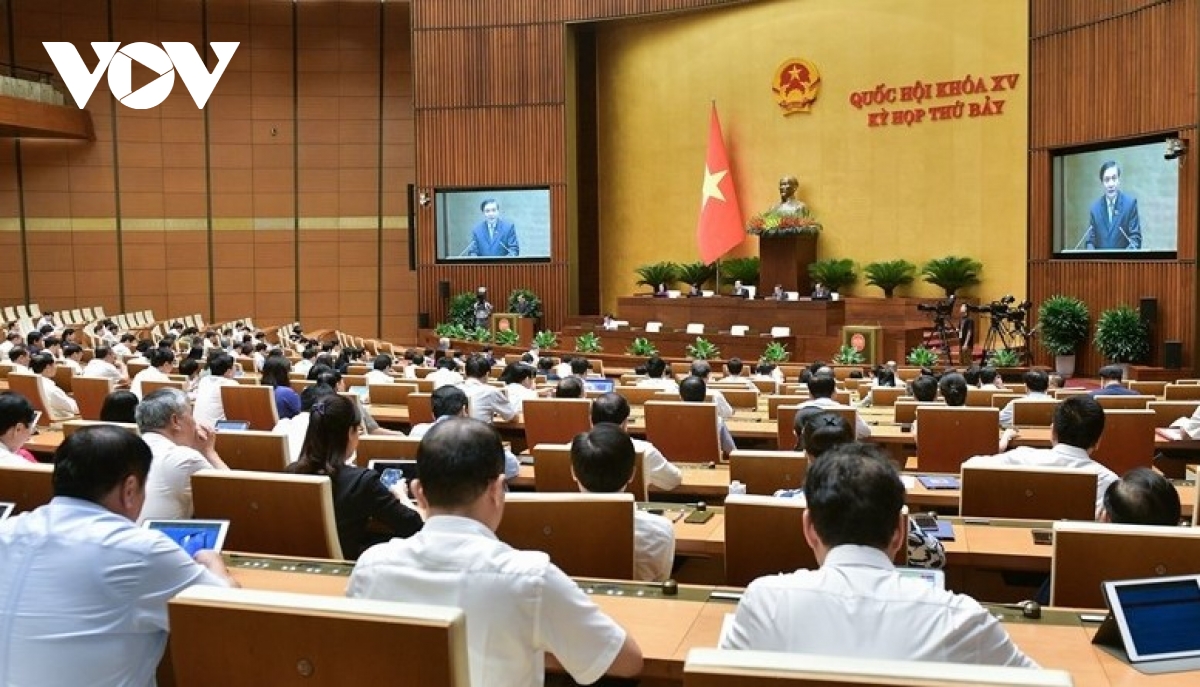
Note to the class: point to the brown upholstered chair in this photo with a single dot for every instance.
(555, 420)
(948, 436)
(552, 471)
(765, 472)
(557, 523)
(254, 404)
(1127, 441)
(253, 450)
(1027, 493)
(26, 485)
(1088, 553)
(682, 430)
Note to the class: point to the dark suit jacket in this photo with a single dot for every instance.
(1125, 230)
(505, 244)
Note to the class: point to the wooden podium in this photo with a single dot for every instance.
(523, 326)
(867, 340)
(785, 260)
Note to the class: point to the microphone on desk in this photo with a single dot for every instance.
(1030, 609)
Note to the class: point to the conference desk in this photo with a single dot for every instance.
(666, 628)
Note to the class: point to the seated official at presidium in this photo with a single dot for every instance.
(493, 237)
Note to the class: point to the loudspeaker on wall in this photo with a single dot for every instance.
(1149, 311)
(423, 320)
(443, 289)
(1173, 355)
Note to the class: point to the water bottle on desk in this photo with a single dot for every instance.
(736, 487)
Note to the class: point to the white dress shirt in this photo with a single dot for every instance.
(520, 605)
(302, 366)
(861, 429)
(379, 377)
(486, 401)
(209, 408)
(656, 469)
(76, 367)
(98, 367)
(1060, 456)
(512, 465)
(169, 485)
(149, 374)
(663, 383)
(724, 410)
(61, 406)
(83, 596)
(295, 428)
(857, 605)
(517, 393)
(653, 546)
(442, 377)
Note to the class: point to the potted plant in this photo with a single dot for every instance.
(461, 310)
(506, 337)
(545, 340)
(1122, 336)
(775, 353)
(532, 306)
(703, 349)
(480, 334)
(641, 346)
(588, 342)
(665, 273)
(848, 355)
(833, 273)
(450, 330)
(889, 275)
(952, 273)
(1004, 357)
(922, 357)
(745, 270)
(1063, 325)
(696, 273)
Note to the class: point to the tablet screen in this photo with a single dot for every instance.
(192, 535)
(6, 509)
(1158, 618)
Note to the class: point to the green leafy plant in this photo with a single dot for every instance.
(588, 342)
(783, 223)
(1004, 357)
(833, 273)
(696, 273)
(1121, 335)
(745, 270)
(545, 340)
(1063, 323)
(641, 346)
(665, 272)
(480, 334)
(450, 330)
(506, 337)
(461, 310)
(952, 273)
(703, 349)
(849, 355)
(533, 304)
(775, 353)
(922, 357)
(889, 275)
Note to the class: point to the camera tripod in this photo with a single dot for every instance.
(1008, 337)
(942, 331)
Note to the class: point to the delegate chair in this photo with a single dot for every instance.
(254, 404)
(1148, 388)
(250, 637)
(26, 485)
(557, 523)
(253, 450)
(1027, 493)
(420, 408)
(385, 447)
(948, 436)
(29, 386)
(555, 420)
(1127, 441)
(981, 398)
(150, 386)
(135, 366)
(63, 376)
(1003, 398)
(773, 403)
(685, 431)
(884, 396)
(394, 394)
(1115, 402)
(1166, 412)
(765, 472)
(1034, 413)
(1088, 553)
(905, 411)
(785, 424)
(1181, 392)
(71, 426)
(552, 471)
(764, 535)
(638, 395)
(725, 668)
(739, 397)
(270, 512)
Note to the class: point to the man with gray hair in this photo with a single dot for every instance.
(702, 369)
(181, 448)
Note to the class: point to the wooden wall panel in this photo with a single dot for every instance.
(1103, 72)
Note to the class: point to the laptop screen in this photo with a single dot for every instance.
(1159, 618)
(192, 535)
(6, 509)
(598, 385)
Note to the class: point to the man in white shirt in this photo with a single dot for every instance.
(602, 462)
(1036, 383)
(989, 378)
(18, 359)
(694, 390)
(820, 388)
(72, 357)
(656, 469)
(181, 448)
(486, 402)
(58, 403)
(702, 369)
(857, 605)
(162, 361)
(445, 373)
(658, 376)
(1078, 424)
(125, 345)
(209, 408)
(450, 402)
(381, 374)
(11, 340)
(85, 590)
(734, 367)
(104, 363)
(520, 604)
(306, 361)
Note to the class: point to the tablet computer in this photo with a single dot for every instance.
(390, 471)
(599, 385)
(936, 579)
(1158, 618)
(192, 535)
(236, 425)
(6, 509)
(363, 393)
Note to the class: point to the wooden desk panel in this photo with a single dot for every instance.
(820, 318)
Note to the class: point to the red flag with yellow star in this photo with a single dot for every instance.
(720, 227)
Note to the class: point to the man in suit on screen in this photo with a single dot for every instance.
(493, 237)
(1113, 220)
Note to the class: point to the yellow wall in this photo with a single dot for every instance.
(929, 190)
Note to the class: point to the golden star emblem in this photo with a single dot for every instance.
(712, 187)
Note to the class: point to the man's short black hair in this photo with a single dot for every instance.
(219, 364)
(925, 388)
(655, 366)
(821, 386)
(457, 460)
(1079, 421)
(800, 419)
(603, 459)
(94, 460)
(610, 407)
(734, 366)
(824, 431)
(15, 410)
(40, 362)
(569, 387)
(580, 365)
(987, 374)
(1113, 372)
(447, 363)
(954, 389)
(854, 496)
(971, 374)
(1142, 497)
(1037, 380)
(383, 362)
(693, 389)
(161, 356)
(701, 369)
(17, 352)
(448, 400)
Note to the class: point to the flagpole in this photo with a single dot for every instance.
(713, 103)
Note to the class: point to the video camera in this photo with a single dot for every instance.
(1003, 308)
(939, 308)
